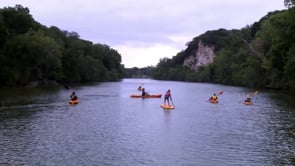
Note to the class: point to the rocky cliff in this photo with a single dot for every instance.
(203, 56)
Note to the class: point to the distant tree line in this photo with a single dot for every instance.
(136, 72)
(31, 52)
(261, 55)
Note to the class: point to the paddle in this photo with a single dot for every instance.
(67, 87)
(220, 93)
(172, 101)
(255, 93)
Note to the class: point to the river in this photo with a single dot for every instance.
(107, 127)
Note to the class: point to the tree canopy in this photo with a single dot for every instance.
(31, 52)
(289, 3)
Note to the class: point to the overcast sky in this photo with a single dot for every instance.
(143, 31)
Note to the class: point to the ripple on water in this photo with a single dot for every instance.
(110, 128)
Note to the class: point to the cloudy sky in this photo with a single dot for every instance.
(143, 31)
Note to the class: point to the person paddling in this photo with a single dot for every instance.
(140, 87)
(168, 97)
(213, 97)
(248, 99)
(73, 96)
(143, 92)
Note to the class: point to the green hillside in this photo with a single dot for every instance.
(261, 55)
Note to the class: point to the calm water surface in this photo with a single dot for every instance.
(38, 127)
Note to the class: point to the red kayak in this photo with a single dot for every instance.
(146, 96)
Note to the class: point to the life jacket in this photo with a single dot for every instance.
(167, 94)
(214, 97)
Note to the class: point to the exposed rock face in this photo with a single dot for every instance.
(203, 56)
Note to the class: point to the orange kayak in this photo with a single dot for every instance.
(72, 102)
(147, 96)
(213, 101)
(248, 103)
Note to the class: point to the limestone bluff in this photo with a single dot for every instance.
(203, 56)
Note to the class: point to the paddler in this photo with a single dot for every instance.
(143, 92)
(140, 87)
(73, 96)
(213, 97)
(248, 98)
(167, 97)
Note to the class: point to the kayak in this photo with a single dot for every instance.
(147, 96)
(213, 101)
(166, 106)
(248, 103)
(73, 102)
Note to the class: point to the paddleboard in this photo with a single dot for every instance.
(165, 106)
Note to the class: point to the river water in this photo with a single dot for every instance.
(39, 127)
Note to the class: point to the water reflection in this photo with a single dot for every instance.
(108, 127)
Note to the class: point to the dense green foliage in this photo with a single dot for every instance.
(31, 52)
(260, 55)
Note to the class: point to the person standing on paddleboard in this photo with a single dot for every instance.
(167, 97)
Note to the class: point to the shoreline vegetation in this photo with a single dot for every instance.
(260, 55)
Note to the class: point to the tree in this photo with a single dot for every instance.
(33, 56)
(18, 19)
(32, 52)
(289, 3)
